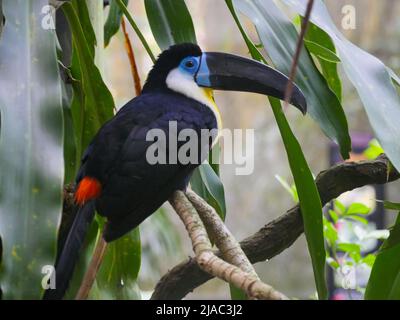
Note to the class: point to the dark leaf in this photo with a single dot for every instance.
(113, 21)
(170, 22)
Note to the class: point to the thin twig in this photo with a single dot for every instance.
(132, 60)
(91, 272)
(211, 263)
(296, 57)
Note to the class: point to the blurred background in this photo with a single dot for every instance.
(254, 200)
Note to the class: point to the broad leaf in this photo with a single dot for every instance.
(369, 76)
(31, 148)
(279, 37)
(170, 22)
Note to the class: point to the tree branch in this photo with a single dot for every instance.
(217, 230)
(282, 232)
(205, 256)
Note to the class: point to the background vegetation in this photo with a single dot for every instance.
(50, 113)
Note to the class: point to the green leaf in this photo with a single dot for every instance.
(358, 218)
(333, 215)
(349, 247)
(357, 208)
(369, 260)
(332, 262)
(237, 294)
(113, 21)
(330, 233)
(321, 52)
(329, 69)
(394, 76)
(339, 206)
(93, 103)
(391, 205)
(206, 183)
(279, 37)
(384, 281)
(290, 189)
(253, 50)
(310, 202)
(117, 276)
(374, 150)
(31, 149)
(170, 22)
(369, 76)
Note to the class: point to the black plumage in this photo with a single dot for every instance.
(132, 188)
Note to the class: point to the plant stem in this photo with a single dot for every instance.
(94, 266)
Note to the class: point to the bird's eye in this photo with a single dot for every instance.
(189, 64)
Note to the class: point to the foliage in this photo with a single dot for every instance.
(384, 282)
(310, 202)
(31, 120)
(35, 119)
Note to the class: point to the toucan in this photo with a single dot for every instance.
(116, 179)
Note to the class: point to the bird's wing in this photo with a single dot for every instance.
(133, 188)
(101, 154)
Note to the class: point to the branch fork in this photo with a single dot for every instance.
(198, 217)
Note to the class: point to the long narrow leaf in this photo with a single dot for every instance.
(93, 103)
(310, 202)
(31, 149)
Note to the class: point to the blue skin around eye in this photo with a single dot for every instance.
(191, 70)
(199, 69)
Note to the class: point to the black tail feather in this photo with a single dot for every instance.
(69, 255)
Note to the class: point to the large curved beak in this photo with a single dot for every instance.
(222, 71)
